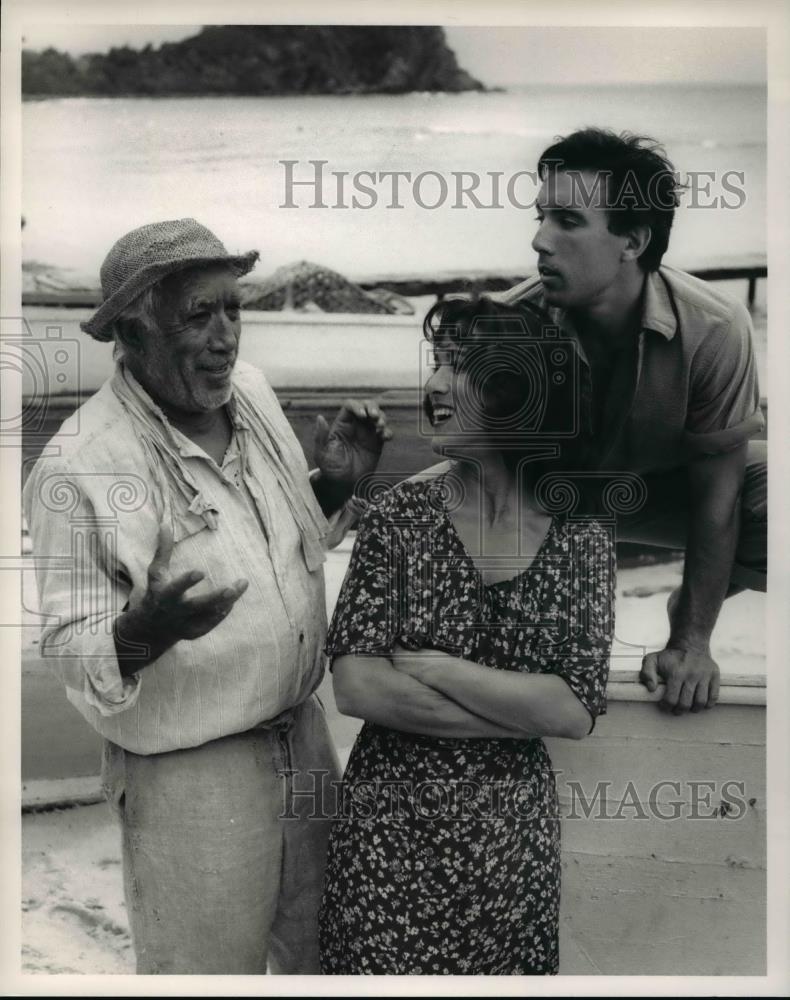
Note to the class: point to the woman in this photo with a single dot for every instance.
(470, 624)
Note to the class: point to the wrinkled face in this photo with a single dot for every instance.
(579, 259)
(186, 363)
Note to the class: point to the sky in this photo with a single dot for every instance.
(511, 56)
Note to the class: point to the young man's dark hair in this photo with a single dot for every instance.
(641, 183)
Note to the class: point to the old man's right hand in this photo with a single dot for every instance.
(165, 615)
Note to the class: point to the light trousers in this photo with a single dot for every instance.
(224, 848)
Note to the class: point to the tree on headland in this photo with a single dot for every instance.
(259, 60)
(50, 72)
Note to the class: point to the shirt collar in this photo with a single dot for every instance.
(657, 311)
(238, 421)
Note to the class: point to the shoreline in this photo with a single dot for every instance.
(186, 95)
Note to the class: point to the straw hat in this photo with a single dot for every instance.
(144, 256)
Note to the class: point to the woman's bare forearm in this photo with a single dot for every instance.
(538, 704)
(369, 688)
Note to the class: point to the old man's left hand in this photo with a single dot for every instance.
(351, 447)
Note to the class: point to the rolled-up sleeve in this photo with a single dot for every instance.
(724, 396)
(82, 588)
(583, 658)
(366, 619)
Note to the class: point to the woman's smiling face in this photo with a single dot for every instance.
(490, 379)
(446, 393)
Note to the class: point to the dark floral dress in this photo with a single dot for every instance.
(445, 857)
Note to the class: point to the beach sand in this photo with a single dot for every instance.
(73, 913)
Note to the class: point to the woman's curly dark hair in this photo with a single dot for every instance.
(520, 390)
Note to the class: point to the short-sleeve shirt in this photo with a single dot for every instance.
(687, 388)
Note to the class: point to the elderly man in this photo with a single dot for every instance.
(180, 542)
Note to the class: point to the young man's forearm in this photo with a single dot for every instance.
(710, 552)
(369, 688)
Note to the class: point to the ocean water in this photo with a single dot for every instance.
(95, 168)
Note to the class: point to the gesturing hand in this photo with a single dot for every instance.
(165, 614)
(351, 447)
(166, 607)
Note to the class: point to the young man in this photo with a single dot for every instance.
(180, 545)
(668, 383)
